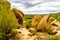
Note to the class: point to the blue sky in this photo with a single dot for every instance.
(36, 6)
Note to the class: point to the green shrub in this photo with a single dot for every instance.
(56, 15)
(52, 37)
(8, 20)
(28, 19)
(56, 37)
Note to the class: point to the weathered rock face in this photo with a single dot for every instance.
(23, 34)
(19, 15)
(45, 23)
(35, 20)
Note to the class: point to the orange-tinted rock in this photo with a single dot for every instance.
(43, 24)
(19, 15)
(35, 20)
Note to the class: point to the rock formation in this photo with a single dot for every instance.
(19, 15)
(35, 20)
(45, 23)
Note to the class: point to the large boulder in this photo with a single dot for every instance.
(19, 15)
(36, 19)
(45, 23)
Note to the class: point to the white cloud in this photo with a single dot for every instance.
(41, 7)
(50, 4)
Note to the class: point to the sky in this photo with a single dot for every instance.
(36, 6)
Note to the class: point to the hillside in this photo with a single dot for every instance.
(8, 19)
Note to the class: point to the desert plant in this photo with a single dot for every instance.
(8, 20)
